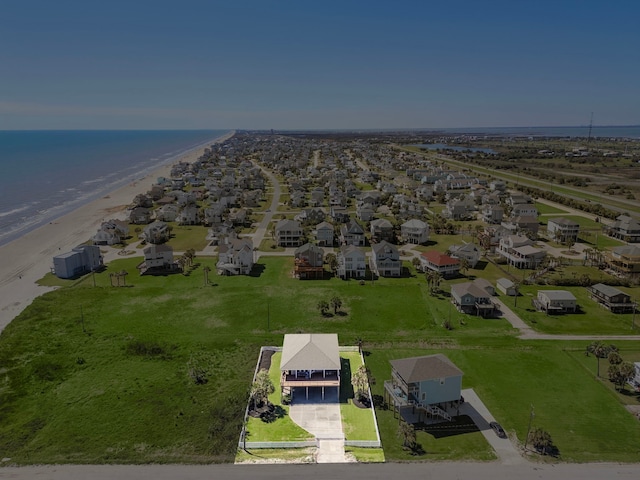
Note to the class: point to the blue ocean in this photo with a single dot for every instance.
(46, 174)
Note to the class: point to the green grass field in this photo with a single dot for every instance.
(102, 374)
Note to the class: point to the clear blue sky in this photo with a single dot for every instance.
(317, 64)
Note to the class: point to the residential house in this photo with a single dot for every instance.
(460, 209)
(428, 385)
(563, 230)
(339, 214)
(414, 231)
(624, 228)
(524, 210)
(158, 260)
(156, 232)
(111, 232)
(444, 264)
(309, 262)
(385, 260)
(468, 251)
(288, 233)
(352, 233)
(381, 229)
(555, 301)
(310, 360)
(490, 237)
(235, 257)
(610, 297)
(188, 215)
(168, 212)
(352, 262)
(523, 224)
(365, 212)
(325, 234)
(470, 297)
(311, 216)
(519, 251)
(82, 259)
(624, 260)
(492, 213)
(140, 215)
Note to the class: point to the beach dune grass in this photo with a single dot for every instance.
(105, 374)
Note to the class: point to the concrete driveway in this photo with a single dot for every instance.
(321, 418)
(507, 453)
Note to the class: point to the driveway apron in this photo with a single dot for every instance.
(322, 419)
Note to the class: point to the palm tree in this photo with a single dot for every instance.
(332, 261)
(336, 303)
(600, 350)
(464, 265)
(433, 280)
(408, 435)
(540, 439)
(323, 306)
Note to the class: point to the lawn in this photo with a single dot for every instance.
(282, 429)
(592, 319)
(106, 374)
(544, 209)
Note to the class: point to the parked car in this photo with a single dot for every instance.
(498, 429)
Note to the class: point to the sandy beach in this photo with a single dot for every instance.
(28, 258)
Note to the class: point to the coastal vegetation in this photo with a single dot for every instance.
(101, 374)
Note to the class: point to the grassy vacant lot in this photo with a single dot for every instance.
(105, 374)
(592, 319)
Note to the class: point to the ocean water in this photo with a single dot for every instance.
(46, 174)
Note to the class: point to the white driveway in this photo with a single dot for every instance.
(322, 419)
(507, 453)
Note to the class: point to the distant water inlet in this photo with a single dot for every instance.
(455, 148)
(46, 174)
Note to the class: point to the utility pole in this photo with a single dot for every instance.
(590, 127)
(531, 415)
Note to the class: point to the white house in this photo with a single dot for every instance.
(556, 301)
(352, 262)
(415, 231)
(235, 257)
(385, 260)
(468, 251)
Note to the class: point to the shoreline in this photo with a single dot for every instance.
(29, 257)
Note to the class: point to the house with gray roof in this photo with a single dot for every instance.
(470, 297)
(555, 301)
(288, 233)
(610, 297)
(430, 384)
(235, 257)
(385, 260)
(325, 234)
(414, 231)
(563, 230)
(624, 228)
(310, 360)
(352, 262)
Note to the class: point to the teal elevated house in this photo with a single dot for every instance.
(424, 388)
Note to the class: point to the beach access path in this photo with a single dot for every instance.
(28, 258)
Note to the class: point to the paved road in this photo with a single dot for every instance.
(355, 471)
(261, 231)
